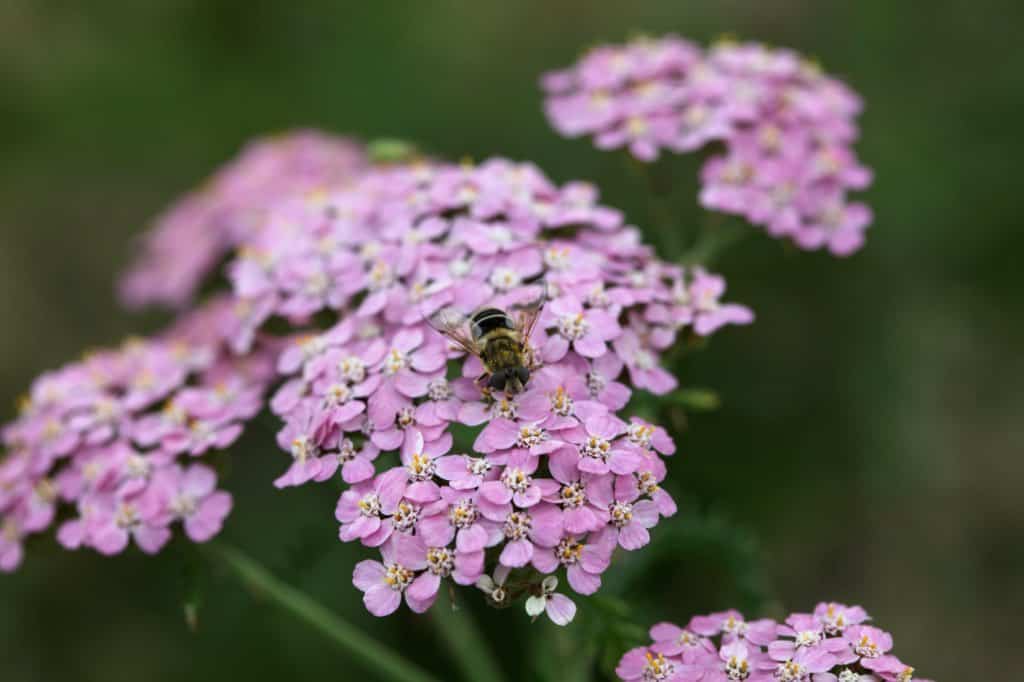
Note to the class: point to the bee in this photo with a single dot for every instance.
(499, 338)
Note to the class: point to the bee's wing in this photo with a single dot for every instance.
(529, 313)
(454, 324)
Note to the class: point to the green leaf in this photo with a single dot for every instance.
(697, 399)
(391, 150)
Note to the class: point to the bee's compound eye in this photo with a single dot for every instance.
(497, 381)
(522, 374)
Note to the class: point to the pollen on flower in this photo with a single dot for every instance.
(561, 402)
(369, 505)
(405, 418)
(517, 525)
(505, 279)
(530, 436)
(569, 551)
(463, 514)
(791, 671)
(406, 516)
(303, 448)
(573, 326)
(397, 577)
(657, 668)
(737, 668)
(640, 434)
(352, 369)
(596, 447)
(395, 361)
(440, 561)
(572, 495)
(516, 480)
(421, 467)
(867, 647)
(478, 466)
(621, 514)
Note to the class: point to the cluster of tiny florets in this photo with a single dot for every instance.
(198, 231)
(110, 442)
(781, 129)
(335, 287)
(552, 477)
(832, 644)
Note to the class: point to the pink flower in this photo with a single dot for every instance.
(585, 331)
(558, 607)
(383, 584)
(709, 314)
(599, 449)
(190, 495)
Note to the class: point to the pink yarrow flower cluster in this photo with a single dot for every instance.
(554, 477)
(787, 129)
(114, 441)
(189, 240)
(832, 644)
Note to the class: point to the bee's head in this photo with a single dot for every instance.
(498, 380)
(511, 380)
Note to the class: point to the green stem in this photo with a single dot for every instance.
(469, 649)
(385, 662)
(714, 241)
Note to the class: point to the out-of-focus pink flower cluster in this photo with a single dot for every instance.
(555, 477)
(111, 440)
(787, 129)
(187, 242)
(833, 644)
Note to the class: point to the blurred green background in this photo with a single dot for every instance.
(870, 437)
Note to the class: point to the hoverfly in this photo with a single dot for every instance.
(499, 338)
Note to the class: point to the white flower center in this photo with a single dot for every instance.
(398, 577)
(572, 495)
(517, 525)
(439, 389)
(737, 668)
(405, 517)
(137, 466)
(647, 483)
(395, 361)
(352, 369)
(463, 514)
(596, 447)
(516, 480)
(791, 671)
(556, 258)
(643, 359)
(595, 383)
(504, 279)
(867, 647)
(346, 451)
(380, 276)
(640, 434)
(657, 668)
(621, 513)
(477, 466)
(531, 435)
(807, 638)
(573, 327)
(421, 467)
(561, 402)
(370, 505)
(303, 448)
(569, 551)
(505, 408)
(405, 418)
(440, 561)
(337, 394)
(184, 505)
(127, 516)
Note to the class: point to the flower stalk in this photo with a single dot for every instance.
(370, 653)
